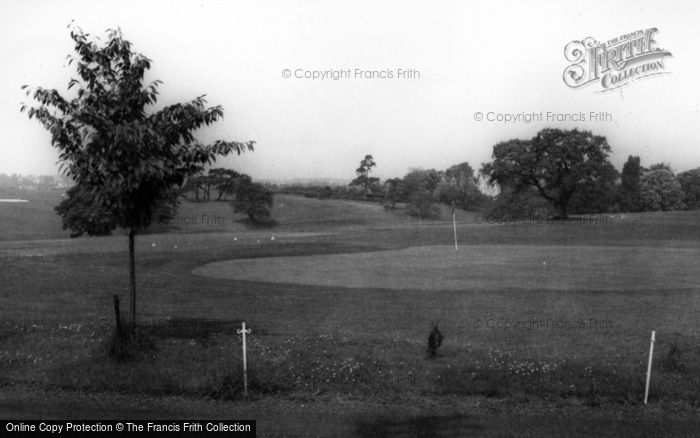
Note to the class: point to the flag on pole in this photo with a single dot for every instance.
(454, 224)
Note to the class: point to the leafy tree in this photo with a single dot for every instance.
(131, 160)
(226, 181)
(254, 200)
(363, 179)
(325, 193)
(196, 183)
(460, 186)
(596, 195)
(690, 184)
(422, 205)
(392, 193)
(555, 162)
(420, 180)
(660, 166)
(630, 188)
(83, 215)
(661, 191)
(523, 203)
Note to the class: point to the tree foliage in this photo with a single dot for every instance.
(226, 181)
(254, 200)
(82, 215)
(661, 191)
(422, 205)
(363, 179)
(110, 144)
(557, 163)
(460, 185)
(630, 185)
(690, 184)
(129, 159)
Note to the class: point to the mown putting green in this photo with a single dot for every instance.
(477, 267)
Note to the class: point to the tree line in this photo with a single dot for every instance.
(570, 171)
(561, 172)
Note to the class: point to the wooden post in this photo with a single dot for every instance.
(132, 281)
(651, 354)
(116, 314)
(243, 332)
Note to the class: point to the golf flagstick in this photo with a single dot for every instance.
(651, 353)
(454, 225)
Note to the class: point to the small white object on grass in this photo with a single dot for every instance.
(235, 238)
(272, 238)
(153, 244)
(544, 263)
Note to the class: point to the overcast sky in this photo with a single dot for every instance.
(490, 56)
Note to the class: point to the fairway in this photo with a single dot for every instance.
(477, 267)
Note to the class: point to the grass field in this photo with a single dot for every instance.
(546, 325)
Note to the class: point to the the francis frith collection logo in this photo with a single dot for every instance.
(614, 63)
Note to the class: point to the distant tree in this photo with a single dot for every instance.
(596, 195)
(690, 184)
(661, 191)
(325, 193)
(526, 202)
(392, 193)
(82, 214)
(363, 179)
(195, 183)
(431, 179)
(225, 181)
(630, 187)
(129, 159)
(254, 200)
(460, 186)
(420, 180)
(422, 205)
(660, 166)
(555, 162)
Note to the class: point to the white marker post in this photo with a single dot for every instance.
(651, 354)
(454, 224)
(243, 332)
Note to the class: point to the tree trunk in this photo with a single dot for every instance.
(366, 184)
(132, 280)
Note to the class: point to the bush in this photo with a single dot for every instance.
(422, 205)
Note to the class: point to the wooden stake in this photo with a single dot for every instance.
(117, 315)
(243, 332)
(651, 354)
